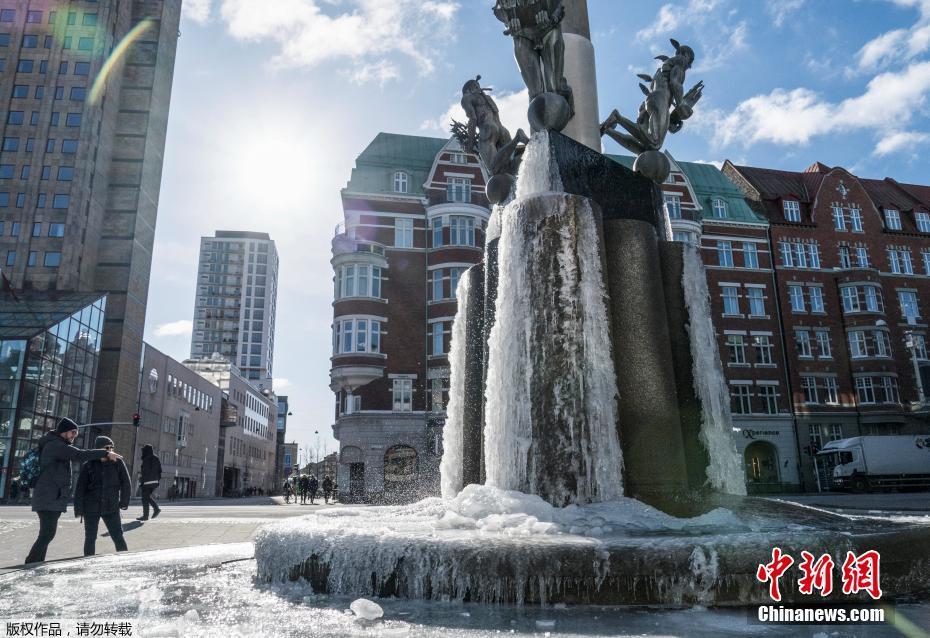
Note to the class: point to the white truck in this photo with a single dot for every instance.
(863, 463)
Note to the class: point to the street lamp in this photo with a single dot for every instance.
(910, 342)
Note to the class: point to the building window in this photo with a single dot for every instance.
(720, 208)
(358, 280)
(730, 300)
(438, 341)
(830, 391)
(908, 301)
(823, 344)
(796, 295)
(865, 390)
(52, 259)
(845, 260)
(750, 255)
(756, 302)
(31, 260)
(355, 335)
(437, 232)
(61, 201)
(458, 158)
(764, 348)
(403, 233)
(10, 257)
(403, 395)
(858, 347)
(816, 297)
(923, 222)
(892, 219)
(725, 254)
(737, 349)
(82, 68)
(900, 261)
(85, 44)
(672, 205)
(769, 396)
(795, 254)
(855, 218)
(461, 230)
(792, 210)
(809, 386)
(839, 219)
(454, 275)
(741, 398)
(862, 256)
(401, 182)
(802, 339)
(458, 189)
(925, 258)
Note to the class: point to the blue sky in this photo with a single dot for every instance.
(274, 99)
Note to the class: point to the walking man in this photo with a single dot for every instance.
(327, 488)
(314, 486)
(53, 488)
(151, 475)
(304, 486)
(103, 489)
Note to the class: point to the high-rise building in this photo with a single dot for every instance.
(279, 461)
(415, 215)
(234, 312)
(86, 88)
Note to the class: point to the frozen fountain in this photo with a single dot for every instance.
(588, 455)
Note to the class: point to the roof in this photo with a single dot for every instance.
(389, 152)
(886, 193)
(775, 184)
(918, 191)
(710, 183)
(38, 311)
(241, 234)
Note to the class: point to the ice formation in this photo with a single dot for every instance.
(724, 471)
(585, 396)
(452, 441)
(366, 609)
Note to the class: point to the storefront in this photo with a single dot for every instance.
(770, 456)
(49, 348)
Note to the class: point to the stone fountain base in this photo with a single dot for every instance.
(621, 553)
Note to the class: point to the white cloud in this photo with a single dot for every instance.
(889, 101)
(900, 141)
(716, 163)
(180, 328)
(716, 55)
(781, 9)
(511, 106)
(714, 35)
(280, 383)
(368, 34)
(197, 10)
(666, 21)
(898, 45)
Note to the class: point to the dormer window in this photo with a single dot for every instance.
(458, 158)
(892, 219)
(720, 208)
(401, 182)
(672, 205)
(923, 222)
(792, 210)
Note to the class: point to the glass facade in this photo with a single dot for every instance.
(45, 377)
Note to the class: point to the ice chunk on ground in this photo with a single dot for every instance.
(366, 609)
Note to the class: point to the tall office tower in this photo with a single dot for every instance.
(234, 312)
(86, 87)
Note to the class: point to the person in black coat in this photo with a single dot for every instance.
(103, 489)
(313, 487)
(151, 475)
(53, 488)
(327, 488)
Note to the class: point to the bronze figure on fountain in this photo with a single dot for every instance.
(536, 29)
(485, 135)
(664, 110)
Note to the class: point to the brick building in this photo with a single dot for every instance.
(853, 277)
(415, 214)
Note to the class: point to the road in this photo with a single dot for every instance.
(181, 524)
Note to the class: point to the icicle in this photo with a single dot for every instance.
(725, 471)
(539, 172)
(452, 440)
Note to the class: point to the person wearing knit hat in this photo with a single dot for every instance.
(103, 489)
(53, 487)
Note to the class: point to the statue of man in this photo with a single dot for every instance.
(665, 108)
(536, 28)
(495, 146)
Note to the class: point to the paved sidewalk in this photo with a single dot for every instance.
(881, 502)
(181, 524)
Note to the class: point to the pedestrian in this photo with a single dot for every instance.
(304, 487)
(103, 489)
(327, 488)
(53, 487)
(286, 490)
(14, 490)
(150, 477)
(313, 486)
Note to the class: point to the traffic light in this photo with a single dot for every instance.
(136, 419)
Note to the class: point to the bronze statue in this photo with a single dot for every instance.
(536, 29)
(665, 108)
